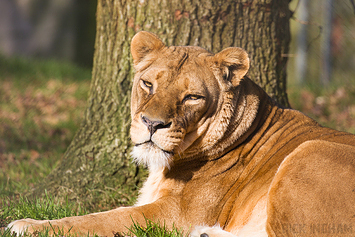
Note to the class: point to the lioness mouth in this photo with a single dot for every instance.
(152, 145)
(149, 154)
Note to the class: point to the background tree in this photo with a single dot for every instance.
(96, 166)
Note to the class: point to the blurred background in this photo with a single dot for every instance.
(321, 66)
(61, 29)
(46, 54)
(323, 41)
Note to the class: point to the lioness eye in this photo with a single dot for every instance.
(147, 84)
(192, 97)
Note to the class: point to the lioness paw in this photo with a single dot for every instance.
(204, 231)
(21, 226)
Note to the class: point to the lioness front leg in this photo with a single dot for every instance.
(102, 223)
(25, 226)
(20, 227)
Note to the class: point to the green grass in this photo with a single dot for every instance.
(153, 229)
(41, 209)
(41, 106)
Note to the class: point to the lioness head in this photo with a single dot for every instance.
(186, 101)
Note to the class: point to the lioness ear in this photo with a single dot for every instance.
(144, 43)
(234, 62)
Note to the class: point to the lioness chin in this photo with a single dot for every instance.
(224, 159)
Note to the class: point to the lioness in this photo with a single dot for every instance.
(224, 159)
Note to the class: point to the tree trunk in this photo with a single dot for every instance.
(97, 161)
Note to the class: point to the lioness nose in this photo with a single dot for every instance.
(153, 126)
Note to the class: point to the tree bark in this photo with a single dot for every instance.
(97, 161)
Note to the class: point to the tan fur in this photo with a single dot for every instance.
(150, 191)
(224, 159)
